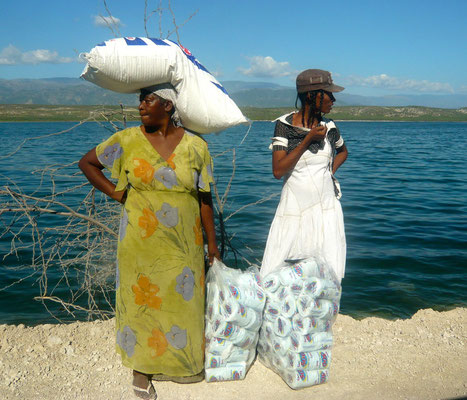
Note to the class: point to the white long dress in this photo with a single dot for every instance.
(309, 217)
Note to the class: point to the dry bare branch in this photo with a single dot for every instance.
(112, 26)
(251, 204)
(34, 208)
(147, 16)
(18, 148)
(177, 27)
(227, 190)
(71, 250)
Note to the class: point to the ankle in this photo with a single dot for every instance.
(141, 380)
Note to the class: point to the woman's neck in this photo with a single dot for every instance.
(164, 129)
(309, 118)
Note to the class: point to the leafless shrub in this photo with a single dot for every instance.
(74, 245)
(72, 249)
(159, 11)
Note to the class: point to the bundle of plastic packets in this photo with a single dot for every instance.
(302, 303)
(234, 305)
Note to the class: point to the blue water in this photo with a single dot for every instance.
(404, 200)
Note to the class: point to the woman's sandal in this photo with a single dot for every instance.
(147, 394)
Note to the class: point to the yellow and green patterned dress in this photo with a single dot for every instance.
(160, 258)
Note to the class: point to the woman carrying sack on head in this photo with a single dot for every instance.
(307, 151)
(164, 174)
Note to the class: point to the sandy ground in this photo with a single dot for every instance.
(424, 357)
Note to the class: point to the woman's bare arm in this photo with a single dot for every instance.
(92, 169)
(340, 158)
(207, 219)
(283, 162)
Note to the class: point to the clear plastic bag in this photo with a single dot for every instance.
(234, 307)
(302, 303)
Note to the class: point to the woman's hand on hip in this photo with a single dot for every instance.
(92, 169)
(120, 196)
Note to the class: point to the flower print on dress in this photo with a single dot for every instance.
(198, 232)
(202, 281)
(126, 339)
(110, 154)
(143, 170)
(168, 215)
(167, 176)
(146, 293)
(158, 343)
(123, 225)
(148, 223)
(185, 284)
(177, 337)
(170, 161)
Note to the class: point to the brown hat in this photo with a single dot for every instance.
(316, 79)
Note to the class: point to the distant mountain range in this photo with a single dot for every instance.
(74, 91)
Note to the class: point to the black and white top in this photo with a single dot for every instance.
(287, 136)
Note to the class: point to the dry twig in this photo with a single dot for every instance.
(71, 249)
(113, 26)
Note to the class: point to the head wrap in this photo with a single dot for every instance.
(167, 92)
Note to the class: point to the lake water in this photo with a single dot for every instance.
(404, 199)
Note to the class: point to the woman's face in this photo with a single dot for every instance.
(152, 109)
(326, 102)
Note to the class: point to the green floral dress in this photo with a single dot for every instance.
(160, 257)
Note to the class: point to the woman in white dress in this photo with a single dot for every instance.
(307, 151)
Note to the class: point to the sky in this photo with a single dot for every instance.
(372, 47)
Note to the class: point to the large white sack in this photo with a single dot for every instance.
(128, 64)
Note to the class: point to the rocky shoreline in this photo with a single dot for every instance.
(424, 357)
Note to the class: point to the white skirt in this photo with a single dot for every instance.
(309, 219)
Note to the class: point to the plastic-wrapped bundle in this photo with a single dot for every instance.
(234, 308)
(128, 64)
(302, 303)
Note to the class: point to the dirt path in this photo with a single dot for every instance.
(424, 357)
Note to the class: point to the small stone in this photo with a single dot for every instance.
(38, 348)
(48, 328)
(54, 341)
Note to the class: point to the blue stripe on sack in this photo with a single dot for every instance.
(192, 58)
(135, 41)
(197, 63)
(101, 44)
(220, 87)
(200, 66)
(159, 42)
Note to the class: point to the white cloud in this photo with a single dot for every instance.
(267, 67)
(216, 74)
(100, 20)
(11, 55)
(384, 81)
